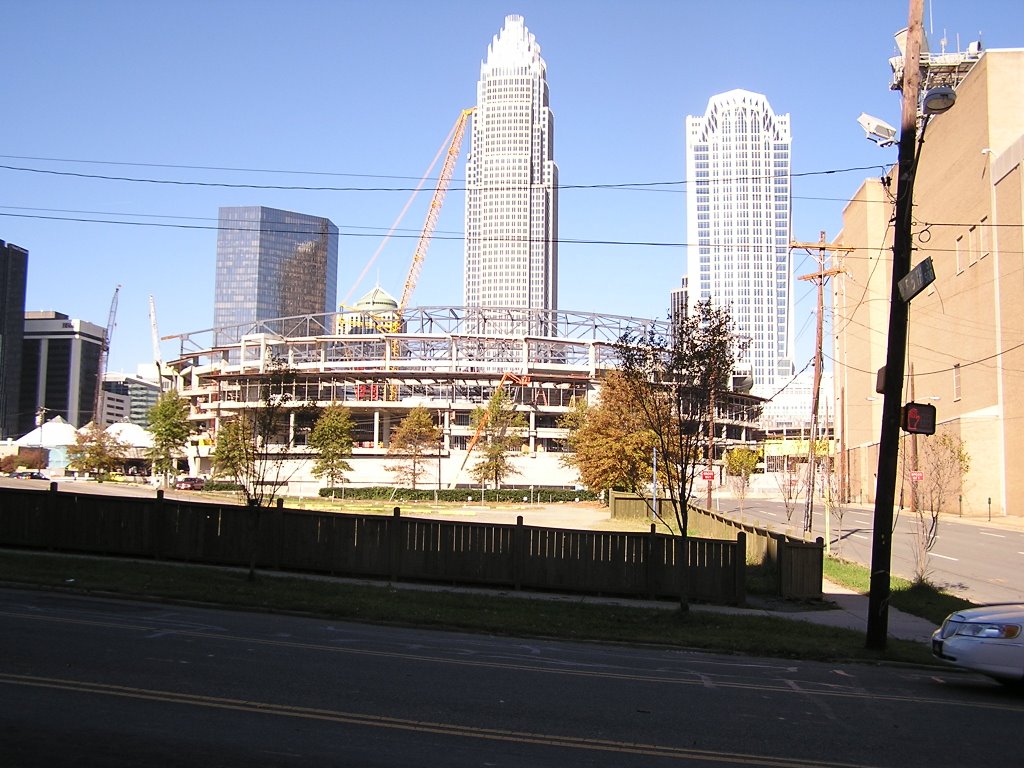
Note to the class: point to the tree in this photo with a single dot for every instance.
(168, 424)
(332, 438)
(674, 383)
(415, 440)
(740, 464)
(96, 451)
(944, 463)
(611, 447)
(252, 445)
(499, 428)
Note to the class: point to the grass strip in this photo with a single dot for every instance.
(501, 613)
(922, 600)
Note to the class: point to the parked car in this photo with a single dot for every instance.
(190, 484)
(29, 475)
(988, 639)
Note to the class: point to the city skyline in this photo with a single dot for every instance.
(357, 98)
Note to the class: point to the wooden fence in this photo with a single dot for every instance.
(386, 547)
(794, 565)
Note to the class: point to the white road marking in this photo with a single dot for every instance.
(996, 535)
(858, 536)
(944, 557)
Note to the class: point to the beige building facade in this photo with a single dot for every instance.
(965, 351)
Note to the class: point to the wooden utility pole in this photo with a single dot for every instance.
(819, 277)
(892, 388)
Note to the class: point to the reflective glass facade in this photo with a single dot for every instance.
(13, 279)
(270, 264)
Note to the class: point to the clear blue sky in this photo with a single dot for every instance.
(366, 92)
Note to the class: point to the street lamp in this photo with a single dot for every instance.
(937, 100)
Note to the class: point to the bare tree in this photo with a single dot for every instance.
(252, 447)
(944, 463)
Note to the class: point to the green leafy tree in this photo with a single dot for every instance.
(415, 441)
(332, 438)
(168, 424)
(97, 451)
(499, 428)
(610, 445)
(740, 464)
(674, 384)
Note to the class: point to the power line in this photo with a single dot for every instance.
(306, 188)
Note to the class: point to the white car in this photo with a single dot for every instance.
(988, 639)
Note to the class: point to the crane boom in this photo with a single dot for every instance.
(157, 358)
(443, 182)
(104, 354)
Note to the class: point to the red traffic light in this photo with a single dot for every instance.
(918, 419)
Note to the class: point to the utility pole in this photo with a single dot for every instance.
(892, 389)
(819, 278)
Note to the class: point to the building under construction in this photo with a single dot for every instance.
(430, 360)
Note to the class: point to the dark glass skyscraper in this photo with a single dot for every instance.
(13, 279)
(271, 264)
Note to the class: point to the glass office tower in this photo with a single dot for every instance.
(738, 226)
(271, 264)
(511, 251)
(13, 280)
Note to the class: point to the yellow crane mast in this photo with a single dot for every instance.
(443, 182)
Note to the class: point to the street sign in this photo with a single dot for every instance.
(707, 474)
(915, 281)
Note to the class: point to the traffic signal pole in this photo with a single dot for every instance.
(892, 391)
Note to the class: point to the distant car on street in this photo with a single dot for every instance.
(190, 484)
(29, 475)
(988, 639)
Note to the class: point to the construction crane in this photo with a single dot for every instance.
(515, 378)
(436, 202)
(157, 358)
(443, 182)
(104, 355)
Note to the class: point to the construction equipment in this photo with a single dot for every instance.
(508, 376)
(394, 323)
(101, 369)
(443, 182)
(157, 358)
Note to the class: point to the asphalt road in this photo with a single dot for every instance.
(979, 560)
(95, 682)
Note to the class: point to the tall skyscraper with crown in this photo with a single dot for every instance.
(511, 251)
(738, 227)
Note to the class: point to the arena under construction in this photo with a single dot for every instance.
(449, 360)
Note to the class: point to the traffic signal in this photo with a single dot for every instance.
(918, 419)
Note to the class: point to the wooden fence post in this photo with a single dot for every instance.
(157, 524)
(741, 568)
(518, 553)
(278, 529)
(395, 543)
(648, 564)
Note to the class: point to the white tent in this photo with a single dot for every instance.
(131, 434)
(56, 433)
